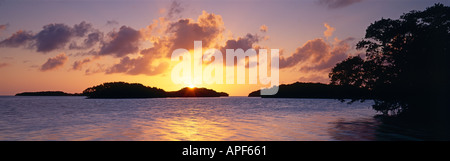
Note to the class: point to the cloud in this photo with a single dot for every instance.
(77, 65)
(340, 50)
(81, 29)
(89, 42)
(181, 33)
(112, 23)
(20, 38)
(175, 34)
(99, 69)
(243, 43)
(327, 33)
(125, 41)
(150, 62)
(55, 62)
(313, 77)
(3, 27)
(54, 36)
(3, 65)
(312, 51)
(140, 65)
(164, 34)
(314, 60)
(208, 28)
(263, 28)
(249, 41)
(332, 4)
(318, 54)
(174, 9)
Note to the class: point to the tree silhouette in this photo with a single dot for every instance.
(316, 90)
(48, 93)
(195, 92)
(123, 90)
(137, 90)
(406, 63)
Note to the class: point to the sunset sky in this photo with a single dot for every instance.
(70, 45)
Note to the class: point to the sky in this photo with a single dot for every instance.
(70, 45)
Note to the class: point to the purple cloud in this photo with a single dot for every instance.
(332, 4)
(124, 42)
(55, 62)
(174, 9)
(20, 38)
(52, 37)
(79, 63)
(89, 42)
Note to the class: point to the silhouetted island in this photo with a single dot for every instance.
(48, 93)
(123, 90)
(136, 90)
(195, 92)
(315, 90)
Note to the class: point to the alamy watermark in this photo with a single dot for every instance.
(183, 73)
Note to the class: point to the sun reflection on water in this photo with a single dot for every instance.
(188, 128)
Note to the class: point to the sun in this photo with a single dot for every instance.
(191, 86)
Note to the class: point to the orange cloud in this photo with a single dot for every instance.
(327, 33)
(208, 28)
(182, 33)
(127, 44)
(3, 27)
(263, 28)
(314, 60)
(317, 54)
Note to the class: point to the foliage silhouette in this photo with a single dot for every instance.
(195, 92)
(47, 93)
(123, 90)
(136, 90)
(316, 90)
(406, 64)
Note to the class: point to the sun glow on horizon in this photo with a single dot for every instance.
(191, 86)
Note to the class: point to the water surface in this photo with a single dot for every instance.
(224, 118)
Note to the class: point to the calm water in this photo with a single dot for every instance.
(228, 118)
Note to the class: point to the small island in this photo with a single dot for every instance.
(136, 90)
(123, 90)
(48, 93)
(196, 92)
(316, 90)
